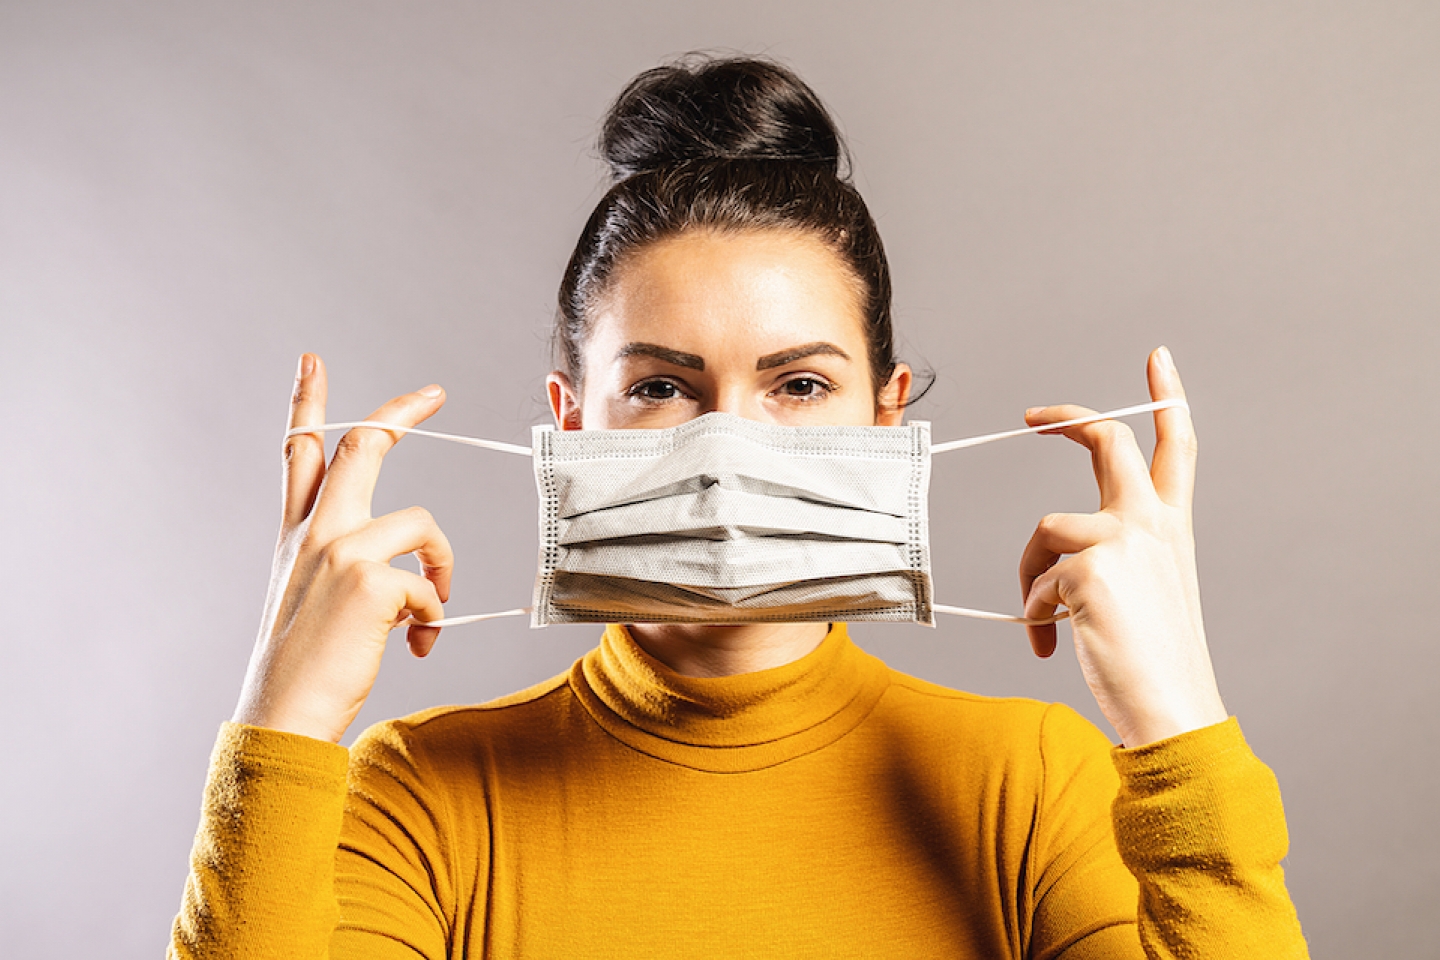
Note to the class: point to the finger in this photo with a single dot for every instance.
(1041, 599)
(1120, 468)
(1055, 536)
(1173, 467)
(304, 453)
(1042, 638)
(1059, 534)
(422, 603)
(417, 532)
(412, 530)
(344, 498)
(421, 639)
(419, 601)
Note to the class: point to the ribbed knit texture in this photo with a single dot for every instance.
(827, 808)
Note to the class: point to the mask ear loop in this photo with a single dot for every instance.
(1004, 617)
(514, 448)
(457, 621)
(1045, 428)
(501, 446)
(1005, 435)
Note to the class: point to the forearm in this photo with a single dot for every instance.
(1199, 822)
(262, 869)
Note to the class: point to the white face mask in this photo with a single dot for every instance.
(727, 520)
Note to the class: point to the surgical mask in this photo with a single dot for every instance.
(728, 520)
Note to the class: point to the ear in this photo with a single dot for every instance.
(890, 404)
(564, 401)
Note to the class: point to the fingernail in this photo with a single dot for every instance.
(1166, 360)
(307, 366)
(431, 391)
(1031, 411)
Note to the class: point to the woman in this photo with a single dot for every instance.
(748, 789)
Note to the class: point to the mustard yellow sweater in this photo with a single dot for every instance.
(828, 808)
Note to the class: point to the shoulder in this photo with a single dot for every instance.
(1021, 717)
(1017, 727)
(444, 736)
(922, 694)
(1046, 753)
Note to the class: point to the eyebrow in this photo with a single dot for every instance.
(796, 353)
(689, 360)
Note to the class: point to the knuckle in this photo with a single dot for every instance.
(1116, 432)
(365, 441)
(1050, 524)
(300, 445)
(340, 555)
(358, 444)
(419, 515)
(367, 577)
(1035, 591)
(1083, 565)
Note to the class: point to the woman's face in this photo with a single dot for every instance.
(766, 325)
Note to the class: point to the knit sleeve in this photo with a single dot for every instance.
(262, 867)
(290, 861)
(1198, 821)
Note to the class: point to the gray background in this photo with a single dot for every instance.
(191, 194)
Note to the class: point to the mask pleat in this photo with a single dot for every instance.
(585, 599)
(719, 512)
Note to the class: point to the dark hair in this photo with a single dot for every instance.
(737, 143)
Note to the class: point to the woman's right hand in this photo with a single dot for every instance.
(334, 598)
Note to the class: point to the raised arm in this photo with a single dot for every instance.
(1198, 819)
(334, 598)
(1127, 573)
(263, 866)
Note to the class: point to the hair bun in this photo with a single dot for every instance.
(698, 108)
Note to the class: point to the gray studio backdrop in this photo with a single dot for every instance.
(192, 194)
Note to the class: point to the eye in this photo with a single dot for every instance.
(656, 391)
(806, 388)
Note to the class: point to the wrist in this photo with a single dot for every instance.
(1162, 724)
(271, 716)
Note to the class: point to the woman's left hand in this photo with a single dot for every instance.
(1127, 573)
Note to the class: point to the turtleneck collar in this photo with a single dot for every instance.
(728, 724)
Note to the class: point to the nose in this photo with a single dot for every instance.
(739, 400)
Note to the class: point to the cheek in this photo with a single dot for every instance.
(595, 411)
(860, 407)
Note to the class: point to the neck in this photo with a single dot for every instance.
(726, 650)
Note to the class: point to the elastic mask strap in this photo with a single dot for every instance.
(1092, 418)
(457, 621)
(514, 448)
(938, 608)
(1006, 434)
(1004, 617)
(502, 447)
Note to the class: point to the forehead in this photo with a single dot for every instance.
(747, 291)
